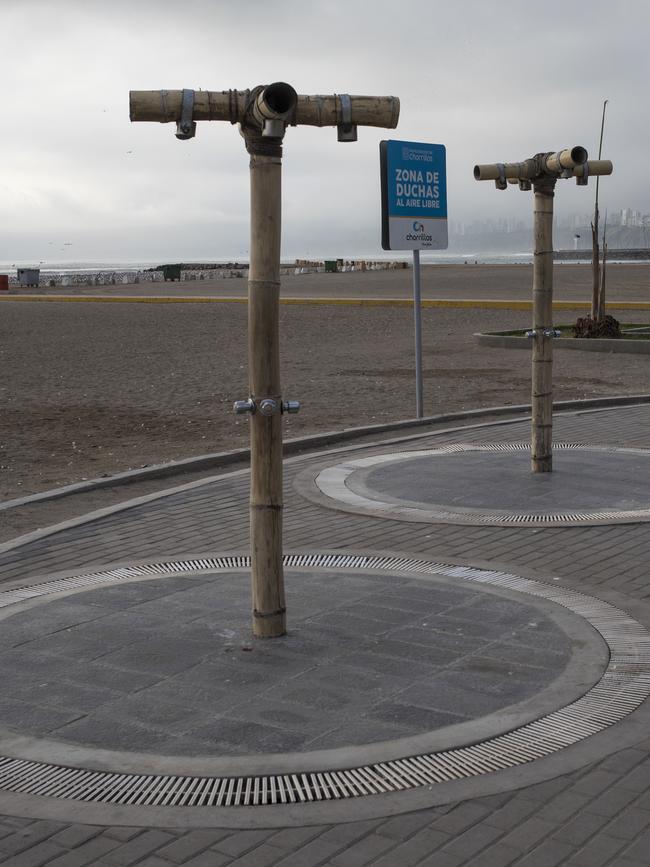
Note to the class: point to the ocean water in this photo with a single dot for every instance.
(72, 267)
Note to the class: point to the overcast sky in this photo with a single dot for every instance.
(493, 81)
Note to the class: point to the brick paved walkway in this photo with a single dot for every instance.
(598, 815)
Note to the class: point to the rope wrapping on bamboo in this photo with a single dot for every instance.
(233, 104)
(256, 143)
(545, 185)
(264, 614)
(163, 100)
(539, 161)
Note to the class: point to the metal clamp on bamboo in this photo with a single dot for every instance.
(541, 173)
(185, 126)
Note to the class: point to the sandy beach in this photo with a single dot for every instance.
(92, 389)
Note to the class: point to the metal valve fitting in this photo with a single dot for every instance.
(583, 180)
(241, 407)
(547, 332)
(268, 406)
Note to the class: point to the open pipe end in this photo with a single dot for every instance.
(477, 173)
(579, 155)
(280, 98)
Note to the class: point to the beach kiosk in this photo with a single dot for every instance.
(171, 272)
(28, 277)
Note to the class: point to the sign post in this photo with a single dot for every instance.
(414, 216)
(417, 323)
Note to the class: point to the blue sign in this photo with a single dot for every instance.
(414, 196)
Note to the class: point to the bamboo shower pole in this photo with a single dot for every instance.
(263, 114)
(271, 108)
(541, 172)
(541, 454)
(269, 618)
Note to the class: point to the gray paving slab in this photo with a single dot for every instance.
(213, 689)
(581, 480)
(592, 559)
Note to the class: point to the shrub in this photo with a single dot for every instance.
(606, 327)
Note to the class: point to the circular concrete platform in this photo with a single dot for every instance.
(168, 666)
(136, 695)
(491, 484)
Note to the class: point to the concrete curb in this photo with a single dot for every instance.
(182, 487)
(219, 460)
(599, 344)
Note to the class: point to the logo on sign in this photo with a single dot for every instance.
(418, 233)
(417, 154)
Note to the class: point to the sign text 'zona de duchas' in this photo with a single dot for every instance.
(415, 188)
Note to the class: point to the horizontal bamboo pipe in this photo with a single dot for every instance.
(529, 169)
(164, 106)
(553, 163)
(594, 167)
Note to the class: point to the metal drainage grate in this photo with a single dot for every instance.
(332, 482)
(456, 448)
(622, 688)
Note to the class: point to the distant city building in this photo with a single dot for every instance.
(624, 228)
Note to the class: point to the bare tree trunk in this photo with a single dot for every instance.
(595, 266)
(597, 300)
(542, 373)
(264, 373)
(603, 274)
